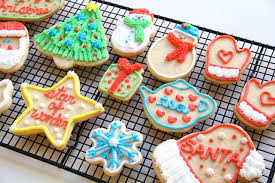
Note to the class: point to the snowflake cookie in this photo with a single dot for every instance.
(114, 147)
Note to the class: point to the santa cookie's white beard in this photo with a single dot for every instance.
(222, 72)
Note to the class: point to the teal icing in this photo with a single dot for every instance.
(190, 29)
(171, 105)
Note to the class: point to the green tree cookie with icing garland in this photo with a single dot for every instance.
(122, 80)
(78, 41)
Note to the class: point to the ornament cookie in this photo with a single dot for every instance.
(14, 46)
(122, 80)
(114, 147)
(6, 89)
(174, 56)
(256, 107)
(133, 33)
(225, 62)
(29, 10)
(78, 41)
(54, 111)
(176, 106)
(223, 153)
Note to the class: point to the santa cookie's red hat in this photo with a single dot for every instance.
(12, 29)
(142, 11)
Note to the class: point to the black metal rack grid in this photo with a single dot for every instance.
(40, 70)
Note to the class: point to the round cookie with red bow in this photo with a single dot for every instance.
(223, 154)
(122, 80)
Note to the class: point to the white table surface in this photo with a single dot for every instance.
(254, 20)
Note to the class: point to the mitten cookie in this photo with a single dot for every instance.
(29, 10)
(256, 107)
(176, 106)
(225, 62)
(122, 80)
(133, 33)
(115, 147)
(78, 41)
(54, 111)
(174, 56)
(223, 154)
(6, 89)
(14, 46)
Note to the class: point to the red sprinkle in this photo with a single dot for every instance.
(116, 72)
(95, 35)
(76, 29)
(61, 37)
(234, 136)
(57, 27)
(91, 20)
(211, 140)
(183, 26)
(128, 86)
(10, 47)
(119, 90)
(189, 157)
(46, 42)
(84, 46)
(241, 149)
(224, 169)
(109, 81)
(94, 54)
(201, 166)
(126, 80)
(109, 74)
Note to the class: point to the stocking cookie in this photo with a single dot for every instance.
(174, 56)
(133, 33)
(122, 80)
(223, 153)
(54, 111)
(78, 41)
(176, 106)
(114, 147)
(6, 89)
(225, 62)
(29, 10)
(256, 107)
(14, 46)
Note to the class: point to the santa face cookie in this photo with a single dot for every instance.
(174, 56)
(55, 110)
(78, 41)
(176, 106)
(256, 107)
(29, 10)
(223, 153)
(6, 89)
(14, 46)
(122, 80)
(225, 62)
(133, 33)
(114, 147)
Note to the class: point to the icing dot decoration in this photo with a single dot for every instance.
(97, 44)
(201, 165)
(61, 37)
(67, 27)
(241, 149)
(211, 140)
(92, 26)
(224, 169)
(52, 32)
(76, 29)
(81, 36)
(234, 136)
(244, 140)
(10, 47)
(221, 136)
(68, 42)
(80, 17)
(210, 172)
(200, 137)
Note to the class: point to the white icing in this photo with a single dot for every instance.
(124, 33)
(37, 122)
(221, 136)
(56, 129)
(10, 58)
(13, 33)
(6, 97)
(70, 86)
(59, 135)
(200, 137)
(113, 142)
(228, 177)
(253, 166)
(70, 73)
(244, 140)
(172, 166)
(249, 112)
(70, 107)
(82, 105)
(36, 97)
(26, 122)
(42, 105)
(58, 143)
(223, 72)
(98, 105)
(24, 85)
(66, 116)
(209, 172)
(12, 127)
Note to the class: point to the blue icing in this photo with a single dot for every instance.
(68, 42)
(92, 26)
(113, 153)
(190, 29)
(171, 104)
(81, 36)
(52, 32)
(68, 27)
(97, 44)
(80, 17)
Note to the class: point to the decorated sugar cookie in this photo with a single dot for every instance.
(225, 62)
(29, 10)
(174, 56)
(78, 41)
(114, 147)
(122, 80)
(14, 46)
(176, 106)
(6, 89)
(223, 154)
(133, 33)
(256, 107)
(54, 111)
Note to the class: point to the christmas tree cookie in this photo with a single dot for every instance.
(77, 41)
(121, 80)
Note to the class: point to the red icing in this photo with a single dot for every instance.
(95, 54)
(76, 29)
(160, 113)
(241, 149)
(225, 152)
(152, 99)
(192, 97)
(119, 89)
(183, 26)
(128, 86)
(222, 54)
(46, 42)
(109, 74)
(186, 118)
(189, 157)
(116, 72)
(11, 25)
(125, 69)
(199, 150)
(55, 107)
(211, 140)
(234, 136)
(10, 47)
(60, 95)
(95, 35)
(61, 37)
(182, 48)
(210, 152)
(224, 169)
(109, 81)
(172, 119)
(29, 10)
(235, 158)
(127, 80)
(179, 98)
(57, 27)
(142, 11)
(84, 46)
(270, 101)
(201, 165)
(236, 49)
(168, 91)
(192, 107)
(91, 20)
(257, 82)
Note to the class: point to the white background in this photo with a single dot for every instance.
(254, 20)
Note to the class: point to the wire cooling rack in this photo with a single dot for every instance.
(40, 70)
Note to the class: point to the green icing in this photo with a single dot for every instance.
(125, 92)
(123, 84)
(113, 77)
(71, 47)
(139, 26)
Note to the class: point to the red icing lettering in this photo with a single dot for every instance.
(225, 152)
(200, 150)
(53, 106)
(190, 144)
(61, 95)
(235, 158)
(210, 152)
